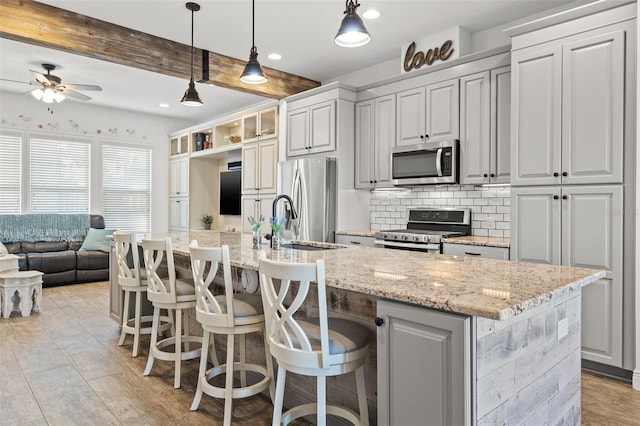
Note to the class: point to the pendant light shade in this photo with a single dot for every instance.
(352, 32)
(191, 97)
(253, 71)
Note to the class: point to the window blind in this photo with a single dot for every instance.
(10, 174)
(60, 176)
(126, 187)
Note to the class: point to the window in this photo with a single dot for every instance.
(60, 176)
(126, 187)
(10, 174)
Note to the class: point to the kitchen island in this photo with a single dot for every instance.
(518, 353)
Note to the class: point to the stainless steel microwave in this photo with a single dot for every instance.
(429, 163)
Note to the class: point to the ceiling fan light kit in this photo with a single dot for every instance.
(252, 73)
(352, 32)
(191, 97)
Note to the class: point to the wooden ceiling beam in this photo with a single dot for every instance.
(42, 25)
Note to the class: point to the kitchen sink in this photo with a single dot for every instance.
(308, 247)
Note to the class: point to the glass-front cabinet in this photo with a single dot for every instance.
(179, 145)
(260, 125)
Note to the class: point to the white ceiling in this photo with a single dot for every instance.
(301, 31)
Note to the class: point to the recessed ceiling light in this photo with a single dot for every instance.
(370, 14)
(274, 56)
(164, 105)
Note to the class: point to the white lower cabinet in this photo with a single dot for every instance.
(424, 366)
(582, 227)
(487, 252)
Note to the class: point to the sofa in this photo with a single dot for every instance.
(62, 262)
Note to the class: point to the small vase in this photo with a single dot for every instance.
(276, 242)
(207, 226)
(257, 240)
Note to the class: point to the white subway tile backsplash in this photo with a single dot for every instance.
(491, 211)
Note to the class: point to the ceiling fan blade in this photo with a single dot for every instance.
(75, 95)
(32, 83)
(40, 77)
(82, 87)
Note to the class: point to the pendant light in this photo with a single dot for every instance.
(352, 32)
(253, 71)
(191, 97)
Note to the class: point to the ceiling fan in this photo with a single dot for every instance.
(51, 88)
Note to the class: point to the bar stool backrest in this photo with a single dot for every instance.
(205, 263)
(153, 251)
(289, 343)
(125, 243)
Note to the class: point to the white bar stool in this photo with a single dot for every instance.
(229, 314)
(175, 295)
(131, 281)
(320, 347)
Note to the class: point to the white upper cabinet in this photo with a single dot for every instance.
(365, 151)
(485, 115)
(259, 165)
(428, 113)
(411, 117)
(475, 135)
(179, 177)
(568, 120)
(179, 145)
(311, 129)
(443, 110)
(536, 116)
(260, 125)
(501, 125)
(593, 109)
(375, 137)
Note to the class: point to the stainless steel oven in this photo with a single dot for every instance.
(427, 163)
(425, 229)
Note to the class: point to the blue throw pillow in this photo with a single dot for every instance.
(96, 240)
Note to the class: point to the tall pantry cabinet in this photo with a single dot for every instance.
(573, 144)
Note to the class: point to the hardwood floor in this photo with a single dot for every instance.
(63, 367)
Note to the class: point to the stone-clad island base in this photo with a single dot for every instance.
(522, 370)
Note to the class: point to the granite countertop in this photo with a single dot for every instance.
(489, 288)
(358, 233)
(476, 240)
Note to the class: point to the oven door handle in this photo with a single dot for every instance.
(397, 244)
(439, 162)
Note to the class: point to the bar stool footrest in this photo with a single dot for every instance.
(162, 355)
(240, 392)
(312, 408)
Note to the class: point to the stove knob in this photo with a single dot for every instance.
(416, 238)
(427, 238)
(405, 237)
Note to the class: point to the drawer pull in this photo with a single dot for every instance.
(468, 253)
(355, 242)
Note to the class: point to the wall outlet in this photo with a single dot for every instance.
(563, 328)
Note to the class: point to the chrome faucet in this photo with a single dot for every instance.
(294, 215)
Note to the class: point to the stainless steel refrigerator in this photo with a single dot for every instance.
(311, 184)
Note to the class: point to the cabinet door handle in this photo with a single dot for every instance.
(421, 136)
(555, 197)
(565, 197)
(355, 242)
(378, 321)
(492, 175)
(485, 175)
(426, 136)
(468, 253)
(370, 181)
(556, 174)
(375, 181)
(565, 174)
